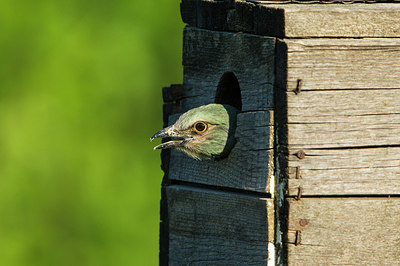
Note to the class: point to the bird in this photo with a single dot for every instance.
(204, 132)
(207, 131)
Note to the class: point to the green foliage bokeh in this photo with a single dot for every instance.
(80, 95)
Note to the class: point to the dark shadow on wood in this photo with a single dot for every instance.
(164, 225)
(212, 227)
(234, 16)
(281, 152)
(221, 189)
(172, 97)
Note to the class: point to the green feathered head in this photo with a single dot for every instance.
(203, 132)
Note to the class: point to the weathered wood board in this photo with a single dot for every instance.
(216, 228)
(332, 106)
(207, 55)
(362, 131)
(322, 1)
(378, 20)
(172, 97)
(344, 101)
(345, 231)
(346, 116)
(343, 64)
(371, 171)
(295, 20)
(249, 166)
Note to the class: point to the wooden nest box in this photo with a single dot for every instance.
(314, 178)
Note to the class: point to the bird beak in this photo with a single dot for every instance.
(166, 133)
(163, 133)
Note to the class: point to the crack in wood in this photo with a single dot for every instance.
(354, 89)
(355, 147)
(358, 196)
(348, 168)
(221, 189)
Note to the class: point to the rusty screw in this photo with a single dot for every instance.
(298, 238)
(301, 154)
(303, 222)
(298, 86)
(299, 192)
(298, 172)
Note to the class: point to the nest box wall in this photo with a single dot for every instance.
(229, 197)
(314, 177)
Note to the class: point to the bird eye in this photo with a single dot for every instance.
(200, 127)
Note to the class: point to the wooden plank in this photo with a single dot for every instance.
(206, 14)
(345, 231)
(228, 15)
(171, 96)
(207, 55)
(214, 227)
(371, 130)
(371, 171)
(322, 1)
(249, 166)
(352, 118)
(337, 109)
(377, 20)
(337, 106)
(343, 64)
(295, 20)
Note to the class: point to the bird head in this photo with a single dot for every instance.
(203, 132)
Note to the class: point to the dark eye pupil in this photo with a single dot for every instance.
(200, 127)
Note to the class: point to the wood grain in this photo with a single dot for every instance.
(217, 228)
(249, 166)
(295, 20)
(207, 55)
(206, 14)
(371, 171)
(377, 20)
(345, 231)
(371, 130)
(322, 1)
(344, 101)
(335, 64)
(337, 106)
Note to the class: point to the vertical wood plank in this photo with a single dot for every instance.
(208, 54)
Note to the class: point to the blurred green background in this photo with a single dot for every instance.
(80, 95)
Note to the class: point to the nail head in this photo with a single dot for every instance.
(301, 154)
